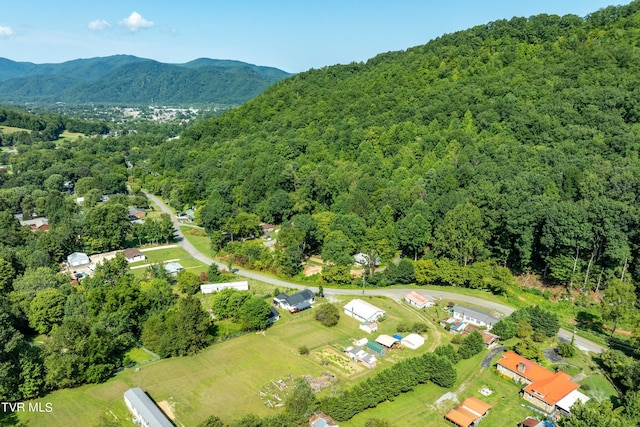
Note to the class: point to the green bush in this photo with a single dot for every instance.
(566, 350)
(327, 314)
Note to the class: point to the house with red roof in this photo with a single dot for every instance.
(468, 413)
(544, 389)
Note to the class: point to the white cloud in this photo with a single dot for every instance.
(135, 21)
(98, 25)
(6, 32)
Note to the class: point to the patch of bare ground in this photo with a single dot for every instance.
(167, 408)
(311, 269)
(533, 281)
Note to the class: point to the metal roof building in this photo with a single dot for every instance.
(144, 409)
(78, 258)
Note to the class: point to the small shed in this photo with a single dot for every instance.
(376, 349)
(412, 341)
(369, 327)
(361, 342)
(490, 340)
(274, 316)
(173, 268)
(386, 340)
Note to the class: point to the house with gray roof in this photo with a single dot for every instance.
(296, 302)
(145, 411)
(474, 316)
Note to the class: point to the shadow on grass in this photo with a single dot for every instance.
(10, 419)
(590, 322)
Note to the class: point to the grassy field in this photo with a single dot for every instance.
(70, 136)
(162, 255)
(10, 129)
(599, 388)
(420, 407)
(226, 378)
(201, 243)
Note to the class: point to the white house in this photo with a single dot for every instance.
(145, 411)
(209, 288)
(412, 341)
(419, 301)
(358, 354)
(133, 255)
(296, 302)
(474, 316)
(363, 311)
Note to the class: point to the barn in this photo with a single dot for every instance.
(145, 411)
(363, 311)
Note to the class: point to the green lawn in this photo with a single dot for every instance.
(70, 136)
(419, 408)
(201, 243)
(10, 129)
(161, 255)
(224, 379)
(599, 388)
(168, 254)
(138, 355)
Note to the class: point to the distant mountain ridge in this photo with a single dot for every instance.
(127, 79)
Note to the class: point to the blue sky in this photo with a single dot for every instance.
(291, 35)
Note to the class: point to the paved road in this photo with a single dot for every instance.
(395, 293)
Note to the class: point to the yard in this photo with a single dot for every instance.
(427, 404)
(164, 254)
(226, 378)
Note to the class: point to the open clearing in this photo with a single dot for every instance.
(226, 378)
(246, 374)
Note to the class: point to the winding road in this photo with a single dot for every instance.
(395, 293)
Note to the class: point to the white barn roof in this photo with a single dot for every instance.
(412, 341)
(146, 409)
(362, 310)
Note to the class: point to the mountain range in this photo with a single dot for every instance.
(126, 79)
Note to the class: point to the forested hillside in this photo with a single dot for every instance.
(125, 79)
(514, 141)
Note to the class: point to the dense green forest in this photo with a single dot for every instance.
(129, 80)
(514, 141)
